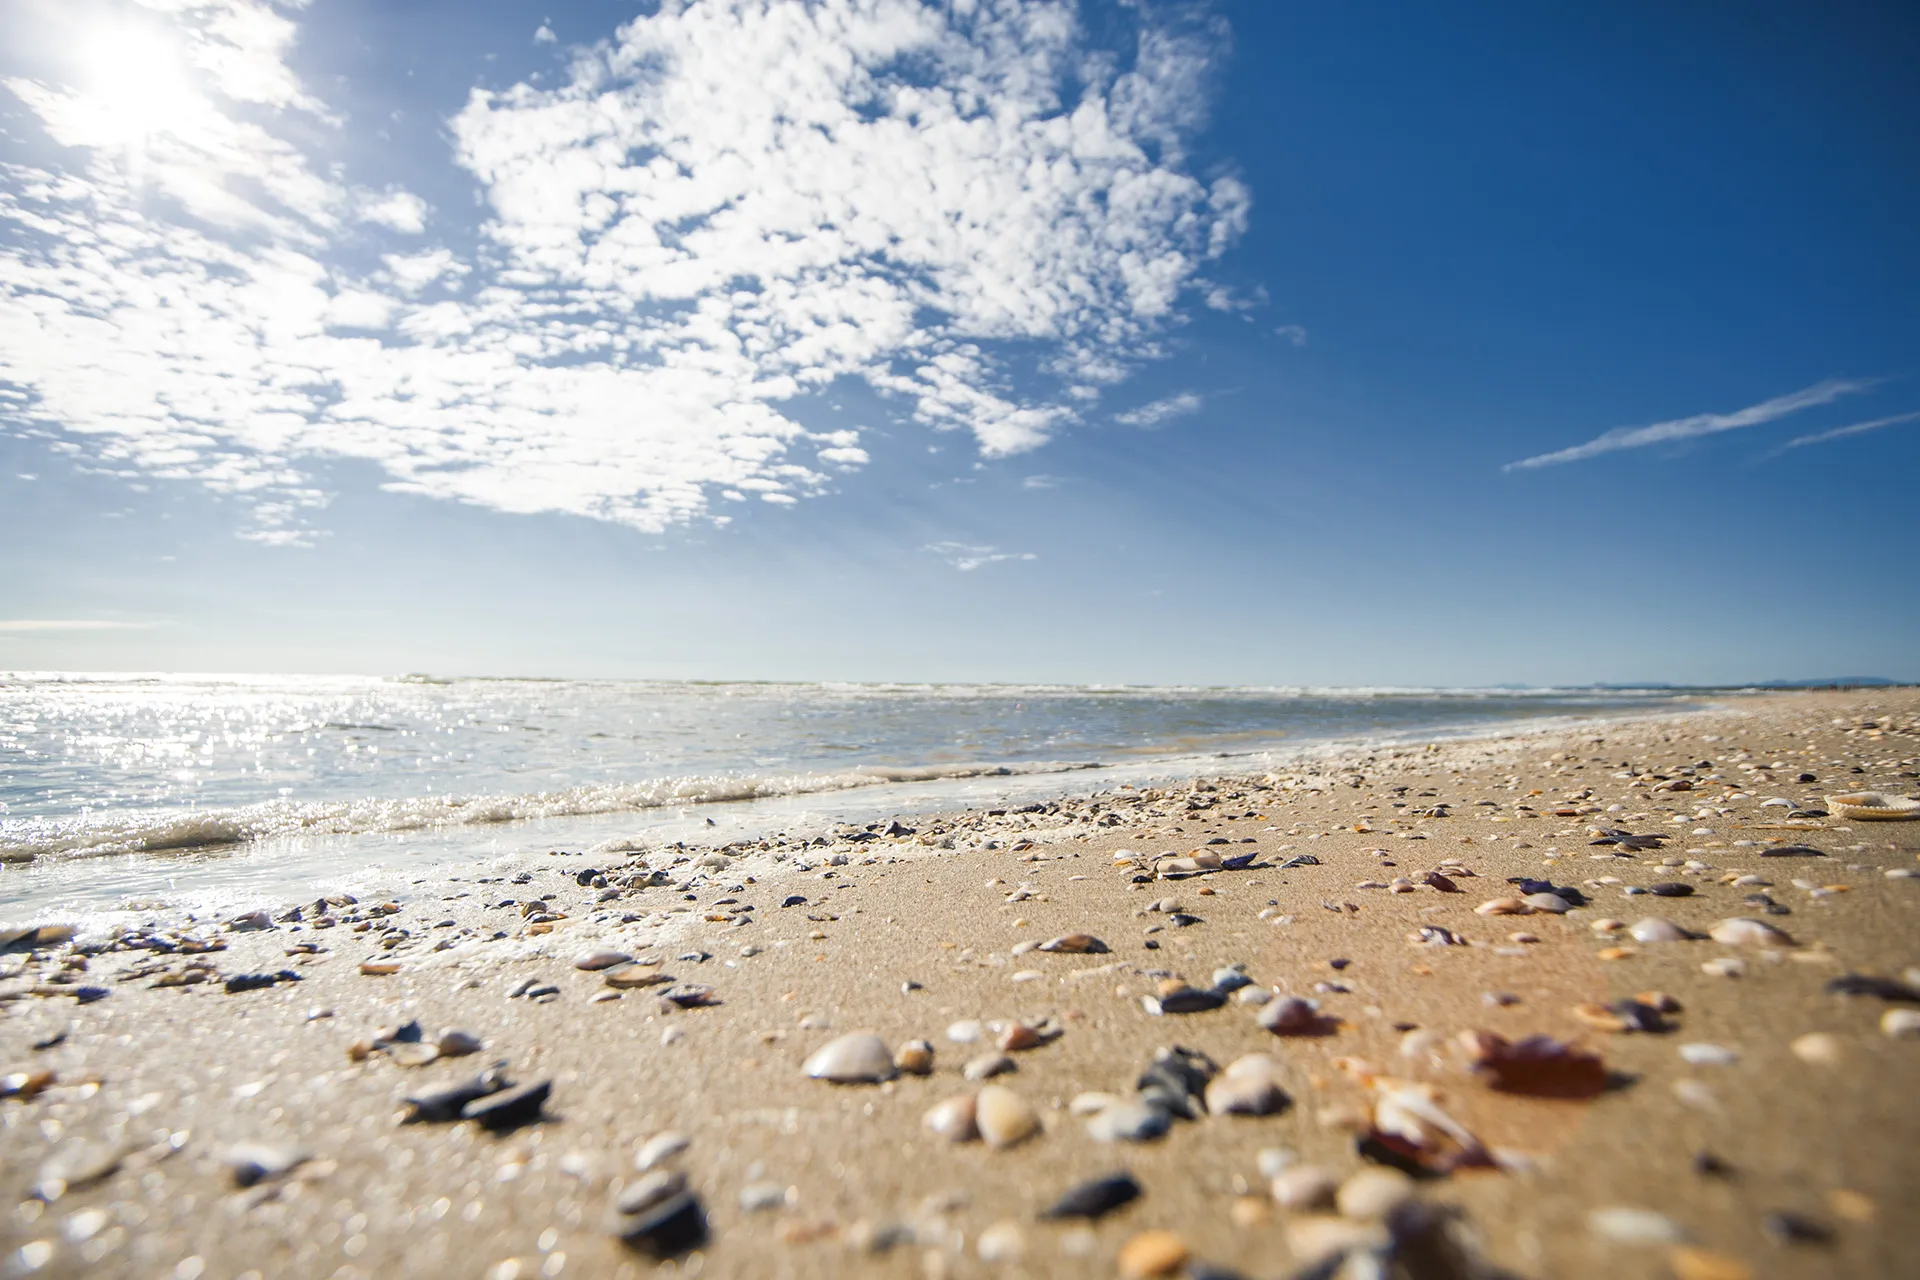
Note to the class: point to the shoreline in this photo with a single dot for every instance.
(742, 814)
(899, 935)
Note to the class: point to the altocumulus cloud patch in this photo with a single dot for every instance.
(725, 206)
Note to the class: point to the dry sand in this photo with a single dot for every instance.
(147, 1069)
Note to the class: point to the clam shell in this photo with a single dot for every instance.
(634, 974)
(594, 961)
(954, 1119)
(1004, 1117)
(860, 1058)
(1076, 943)
(1873, 806)
(915, 1057)
(1742, 932)
(1654, 929)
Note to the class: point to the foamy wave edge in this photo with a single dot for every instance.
(27, 840)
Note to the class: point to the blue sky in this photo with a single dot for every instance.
(1024, 340)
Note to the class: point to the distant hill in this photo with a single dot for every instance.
(1871, 681)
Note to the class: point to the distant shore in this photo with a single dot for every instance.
(1754, 1124)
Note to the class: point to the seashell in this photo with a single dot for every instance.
(1095, 1199)
(634, 974)
(689, 995)
(1151, 1253)
(1020, 1036)
(860, 1058)
(1130, 1120)
(965, 1032)
(1634, 1226)
(457, 1044)
(413, 1053)
(443, 1105)
(1900, 1024)
(1304, 1186)
(1075, 943)
(1503, 907)
(1538, 1065)
(955, 1119)
(594, 961)
(1004, 1117)
(1742, 932)
(1873, 806)
(1818, 1048)
(987, 1066)
(915, 1057)
(254, 1162)
(1321, 1238)
(1291, 1016)
(658, 1216)
(1250, 1086)
(1092, 1103)
(510, 1108)
(1373, 1194)
(1552, 903)
(661, 1146)
(1654, 929)
(1185, 999)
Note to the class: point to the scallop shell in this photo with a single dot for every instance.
(860, 1058)
(1873, 806)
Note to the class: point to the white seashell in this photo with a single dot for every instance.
(1004, 1117)
(1552, 903)
(964, 1032)
(953, 1119)
(860, 1058)
(1742, 932)
(1250, 1086)
(1088, 1104)
(1654, 929)
(661, 1146)
(1873, 806)
(1635, 1226)
(1708, 1055)
(1901, 1024)
(594, 961)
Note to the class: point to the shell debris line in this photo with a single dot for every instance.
(1257, 1025)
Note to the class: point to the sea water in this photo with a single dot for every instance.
(120, 791)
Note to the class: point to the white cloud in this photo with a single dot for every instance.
(1162, 411)
(1700, 424)
(395, 208)
(966, 558)
(543, 34)
(1294, 333)
(1039, 482)
(1841, 433)
(729, 205)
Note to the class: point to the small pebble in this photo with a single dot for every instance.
(1304, 1186)
(1635, 1226)
(1152, 1253)
(1818, 1048)
(1095, 1199)
(1129, 1120)
(1373, 1193)
(1001, 1242)
(915, 1057)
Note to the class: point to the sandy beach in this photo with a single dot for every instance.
(1743, 1118)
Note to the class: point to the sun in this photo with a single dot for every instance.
(135, 86)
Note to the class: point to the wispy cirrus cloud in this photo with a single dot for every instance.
(1162, 411)
(966, 557)
(1841, 433)
(1701, 424)
(724, 207)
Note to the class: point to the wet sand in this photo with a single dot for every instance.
(116, 1166)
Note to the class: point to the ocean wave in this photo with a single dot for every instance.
(95, 835)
